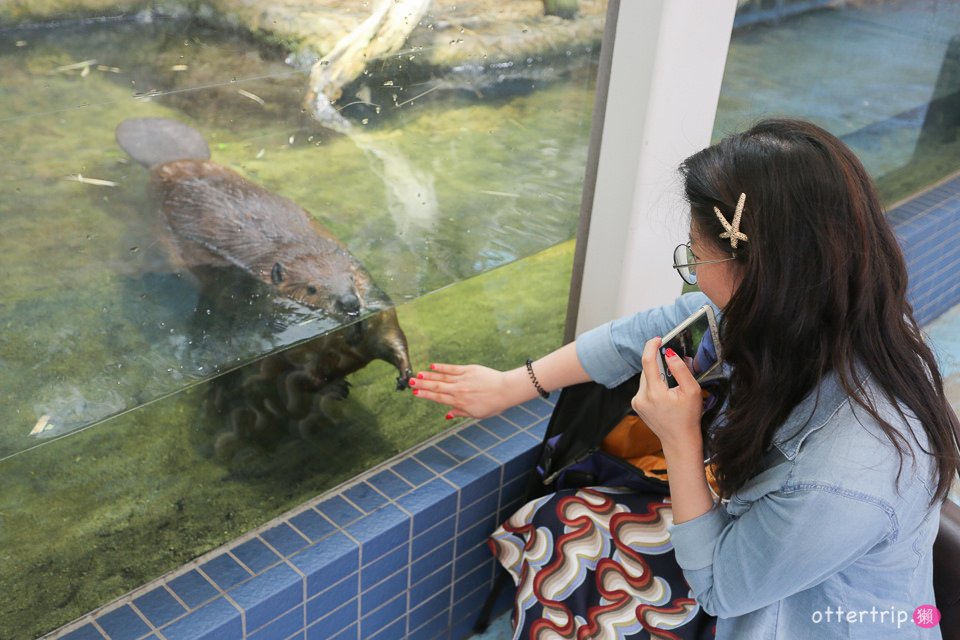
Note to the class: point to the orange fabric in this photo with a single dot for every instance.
(636, 443)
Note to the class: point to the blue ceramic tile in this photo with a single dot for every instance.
(123, 624)
(413, 472)
(519, 416)
(385, 616)
(421, 613)
(468, 607)
(516, 445)
(218, 620)
(284, 539)
(375, 596)
(476, 534)
(192, 588)
(331, 624)
(478, 436)
(327, 561)
(313, 525)
(434, 537)
(333, 598)
(225, 571)
(429, 504)
(518, 454)
(159, 606)
(538, 430)
(436, 459)
(476, 478)
(365, 497)
(431, 561)
(86, 632)
(479, 510)
(514, 489)
(472, 559)
(457, 448)
(339, 510)
(498, 427)
(276, 589)
(432, 629)
(432, 584)
(281, 628)
(350, 633)
(391, 631)
(539, 407)
(256, 555)
(384, 566)
(480, 578)
(390, 484)
(383, 530)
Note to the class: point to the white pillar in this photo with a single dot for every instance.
(665, 77)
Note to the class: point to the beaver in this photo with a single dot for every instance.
(218, 219)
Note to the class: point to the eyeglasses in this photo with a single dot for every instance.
(686, 263)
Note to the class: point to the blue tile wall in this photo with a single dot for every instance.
(159, 606)
(123, 624)
(928, 227)
(396, 554)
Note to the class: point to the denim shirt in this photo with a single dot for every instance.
(823, 542)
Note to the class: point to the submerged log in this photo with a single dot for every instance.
(384, 32)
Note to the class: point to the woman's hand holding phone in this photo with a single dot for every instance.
(672, 413)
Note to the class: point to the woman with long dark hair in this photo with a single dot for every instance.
(836, 445)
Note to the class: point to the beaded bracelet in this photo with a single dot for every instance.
(543, 392)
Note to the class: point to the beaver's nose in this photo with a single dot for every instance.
(348, 304)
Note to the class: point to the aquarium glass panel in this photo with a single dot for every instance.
(883, 75)
(222, 255)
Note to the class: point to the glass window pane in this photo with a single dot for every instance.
(192, 347)
(883, 76)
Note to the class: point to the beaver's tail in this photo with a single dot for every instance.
(153, 141)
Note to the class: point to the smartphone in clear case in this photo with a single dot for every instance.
(697, 341)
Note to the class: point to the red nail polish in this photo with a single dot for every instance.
(449, 416)
(670, 353)
(416, 392)
(433, 366)
(412, 382)
(420, 376)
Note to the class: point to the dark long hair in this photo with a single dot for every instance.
(823, 289)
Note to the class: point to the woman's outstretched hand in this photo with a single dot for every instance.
(469, 390)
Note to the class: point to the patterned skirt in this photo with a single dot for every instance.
(597, 563)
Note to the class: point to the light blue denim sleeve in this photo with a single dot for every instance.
(788, 541)
(610, 354)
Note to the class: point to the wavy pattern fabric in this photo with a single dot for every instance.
(597, 564)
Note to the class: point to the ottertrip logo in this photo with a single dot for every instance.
(925, 616)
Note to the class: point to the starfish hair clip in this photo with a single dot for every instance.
(733, 230)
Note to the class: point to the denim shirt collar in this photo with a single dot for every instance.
(813, 412)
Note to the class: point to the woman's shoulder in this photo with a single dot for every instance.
(880, 454)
